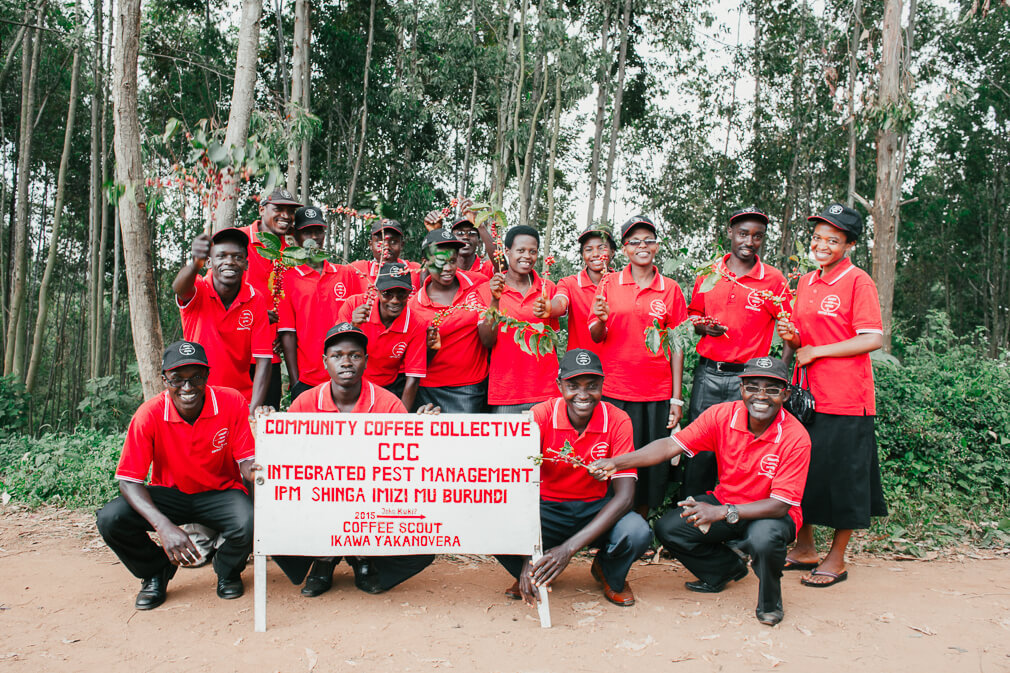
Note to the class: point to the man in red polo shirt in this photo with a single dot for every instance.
(397, 340)
(576, 510)
(277, 216)
(345, 355)
(194, 439)
(763, 454)
(226, 314)
(313, 295)
(735, 323)
(386, 245)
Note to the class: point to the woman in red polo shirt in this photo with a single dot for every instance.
(835, 325)
(597, 248)
(644, 384)
(517, 379)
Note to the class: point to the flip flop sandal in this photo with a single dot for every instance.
(791, 564)
(648, 555)
(835, 578)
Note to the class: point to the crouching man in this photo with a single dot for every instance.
(577, 511)
(763, 454)
(345, 355)
(196, 442)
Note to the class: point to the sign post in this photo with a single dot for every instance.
(395, 484)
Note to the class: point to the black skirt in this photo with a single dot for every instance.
(648, 423)
(843, 485)
(468, 399)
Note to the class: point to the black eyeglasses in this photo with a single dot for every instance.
(395, 294)
(194, 381)
(636, 242)
(770, 391)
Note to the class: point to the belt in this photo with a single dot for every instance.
(723, 367)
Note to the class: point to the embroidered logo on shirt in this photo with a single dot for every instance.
(599, 450)
(399, 349)
(339, 290)
(245, 319)
(830, 304)
(186, 349)
(754, 301)
(769, 464)
(657, 308)
(472, 298)
(220, 440)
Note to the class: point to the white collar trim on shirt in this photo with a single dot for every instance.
(817, 275)
(780, 419)
(559, 404)
(213, 401)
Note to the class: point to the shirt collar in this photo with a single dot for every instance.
(772, 434)
(328, 267)
(757, 271)
(171, 414)
(400, 324)
(598, 422)
(658, 282)
(465, 284)
(837, 273)
(245, 293)
(584, 280)
(534, 290)
(366, 400)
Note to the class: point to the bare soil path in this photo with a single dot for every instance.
(66, 604)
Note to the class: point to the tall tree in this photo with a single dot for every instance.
(615, 124)
(602, 75)
(364, 128)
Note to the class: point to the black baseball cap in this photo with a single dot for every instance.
(382, 224)
(393, 274)
(635, 221)
(769, 368)
(231, 234)
(280, 197)
(749, 214)
(309, 216)
(579, 361)
(597, 231)
(461, 220)
(345, 329)
(841, 217)
(182, 353)
(443, 238)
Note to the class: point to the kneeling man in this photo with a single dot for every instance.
(577, 511)
(763, 454)
(196, 442)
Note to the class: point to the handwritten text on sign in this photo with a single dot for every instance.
(387, 484)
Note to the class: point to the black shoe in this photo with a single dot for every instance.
(703, 587)
(230, 587)
(366, 577)
(770, 618)
(320, 579)
(154, 589)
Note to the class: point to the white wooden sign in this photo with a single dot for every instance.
(392, 484)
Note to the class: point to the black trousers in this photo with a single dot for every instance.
(230, 512)
(274, 389)
(710, 387)
(391, 570)
(708, 557)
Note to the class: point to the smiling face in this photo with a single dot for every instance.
(278, 219)
(345, 360)
(828, 246)
(594, 249)
(581, 394)
(763, 397)
(229, 261)
(442, 264)
(393, 245)
(746, 238)
(636, 247)
(522, 256)
(187, 388)
(392, 301)
(466, 233)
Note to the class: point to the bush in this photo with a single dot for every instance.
(13, 406)
(943, 430)
(73, 470)
(108, 406)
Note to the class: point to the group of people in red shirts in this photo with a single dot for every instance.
(389, 336)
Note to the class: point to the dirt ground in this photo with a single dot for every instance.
(66, 604)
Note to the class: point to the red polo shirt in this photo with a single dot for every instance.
(833, 308)
(481, 266)
(580, 291)
(773, 465)
(462, 359)
(232, 336)
(369, 269)
(258, 273)
(310, 307)
(193, 458)
(749, 317)
(373, 400)
(402, 345)
(634, 374)
(514, 376)
(608, 434)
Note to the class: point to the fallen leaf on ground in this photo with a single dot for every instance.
(636, 646)
(886, 617)
(775, 661)
(708, 637)
(312, 657)
(925, 630)
(804, 630)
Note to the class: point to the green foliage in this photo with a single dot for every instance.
(108, 406)
(74, 470)
(13, 406)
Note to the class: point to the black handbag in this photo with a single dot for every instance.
(801, 403)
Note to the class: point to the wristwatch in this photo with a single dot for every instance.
(732, 514)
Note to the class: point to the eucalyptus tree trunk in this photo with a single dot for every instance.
(241, 103)
(114, 301)
(306, 90)
(857, 24)
(18, 37)
(14, 348)
(95, 206)
(43, 307)
(615, 125)
(601, 104)
(527, 172)
(364, 129)
(555, 132)
(473, 106)
(144, 321)
(298, 67)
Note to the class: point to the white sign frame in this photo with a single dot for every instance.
(341, 457)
